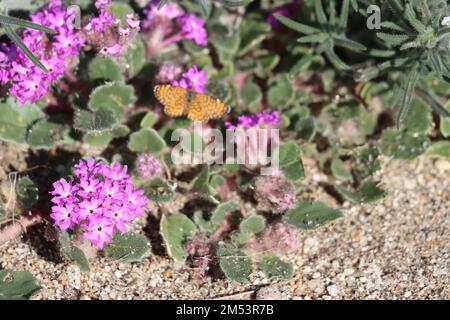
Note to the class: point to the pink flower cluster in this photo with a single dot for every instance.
(193, 79)
(107, 33)
(148, 166)
(172, 24)
(100, 200)
(27, 81)
(258, 119)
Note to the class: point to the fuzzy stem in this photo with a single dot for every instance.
(18, 227)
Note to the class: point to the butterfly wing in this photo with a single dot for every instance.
(173, 98)
(196, 109)
(205, 107)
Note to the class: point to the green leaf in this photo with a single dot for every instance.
(218, 215)
(403, 145)
(135, 57)
(149, 120)
(158, 190)
(440, 149)
(27, 192)
(15, 121)
(44, 134)
(17, 284)
(445, 122)
(281, 92)
(251, 95)
(297, 26)
(128, 247)
(73, 253)
(236, 266)
(114, 96)
(418, 119)
(105, 68)
(290, 161)
(7, 20)
(146, 140)
(310, 215)
(95, 122)
(253, 224)
(407, 91)
(101, 140)
(253, 32)
(365, 162)
(18, 41)
(339, 170)
(120, 11)
(176, 230)
(275, 268)
(369, 192)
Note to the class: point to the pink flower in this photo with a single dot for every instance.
(194, 29)
(148, 166)
(64, 216)
(99, 231)
(193, 79)
(26, 81)
(99, 201)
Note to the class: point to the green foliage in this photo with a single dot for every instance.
(217, 216)
(17, 285)
(176, 229)
(15, 121)
(105, 68)
(146, 140)
(290, 161)
(339, 170)
(44, 134)
(310, 215)
(412, 41)
(73, 253)
(95, 122)
(27, 192)
(115, 97)
(403, 145)
(128, 247)
(275, 268)
(236, 265)
(135, 57)
(440, 149)
(281, 91)
(365, 162)
(369, 192)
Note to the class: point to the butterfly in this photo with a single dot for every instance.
(196, 106)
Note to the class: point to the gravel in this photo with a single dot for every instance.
(395, 249)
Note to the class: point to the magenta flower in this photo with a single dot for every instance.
(100, 201)
(194, 29)
(193, 79)
(64, 216)
(148, 166)
(26, 81)
(258, 119)
(99, 231)
(171, 25)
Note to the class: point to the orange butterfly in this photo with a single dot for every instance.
(197, 107)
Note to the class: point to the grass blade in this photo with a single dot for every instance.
(16, 39)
